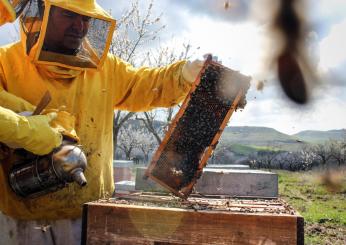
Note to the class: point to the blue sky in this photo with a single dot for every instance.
(238, 37)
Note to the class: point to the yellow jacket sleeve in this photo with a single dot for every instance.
(14, 103)
(10, 101)
(31, 133)
(142, 89)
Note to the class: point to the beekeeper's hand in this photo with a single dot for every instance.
(64, 123)
(191, 70)
(33, 133)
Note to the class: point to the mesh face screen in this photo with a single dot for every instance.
(18, 5)
(31, 21)
(73, 39)
(198, 124)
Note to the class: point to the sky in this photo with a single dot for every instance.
(237, 35)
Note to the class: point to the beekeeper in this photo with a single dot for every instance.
(64, 50)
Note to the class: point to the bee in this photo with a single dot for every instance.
(260, 85)
(226, 5)
(290, 73)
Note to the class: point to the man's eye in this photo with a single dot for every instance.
(69, 14)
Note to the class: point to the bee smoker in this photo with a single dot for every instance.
(33, 176)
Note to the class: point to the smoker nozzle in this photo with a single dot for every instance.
(78, 176)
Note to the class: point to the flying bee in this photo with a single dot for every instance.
(290, 58)
(226, 5)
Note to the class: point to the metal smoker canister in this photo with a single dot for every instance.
(45, 174)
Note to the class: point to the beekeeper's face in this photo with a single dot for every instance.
(65, 31)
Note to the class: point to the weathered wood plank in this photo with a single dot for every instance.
(110, 223)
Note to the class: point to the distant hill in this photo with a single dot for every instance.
(256, 137)
(246, 139)
(313, 136)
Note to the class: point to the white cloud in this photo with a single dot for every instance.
(330, 8)
(325, 112)
(238, 45)
(332, 47)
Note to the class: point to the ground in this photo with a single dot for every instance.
(321, 200)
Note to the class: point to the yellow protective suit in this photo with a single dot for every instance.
(91, 96)
(7, 13)
(63, 123)
(32, 133)
(14, 103)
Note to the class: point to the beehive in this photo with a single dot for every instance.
(194, 133)
(142, 218)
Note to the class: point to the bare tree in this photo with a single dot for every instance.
(134, 136)
(161, 57)
(266, 158)
(128, 140)
(323, 152)
(148, 119)
(134, 30)
(146, 143)
(337, 151)
(308, 158)
(281, 160)
(343, 150)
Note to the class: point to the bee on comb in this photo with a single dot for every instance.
(194, 133)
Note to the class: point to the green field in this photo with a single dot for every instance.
(321, 200)
(247, 149)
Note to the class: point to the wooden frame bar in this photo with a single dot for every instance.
(185, 191)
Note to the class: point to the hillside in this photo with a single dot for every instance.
(247, 139)
(320, 136)
(256, 137)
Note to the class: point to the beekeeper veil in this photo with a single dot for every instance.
(74, 34)
(11, 9)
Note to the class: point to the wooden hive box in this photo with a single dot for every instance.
(152, 219)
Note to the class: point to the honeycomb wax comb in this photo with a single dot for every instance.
(194, 132)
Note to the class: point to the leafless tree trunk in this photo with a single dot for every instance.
(134, 29)
(336, 149)
(162, 57)
(146, 143)
(127, 142)
(148, 122)
(119, 120)
(323, 153)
